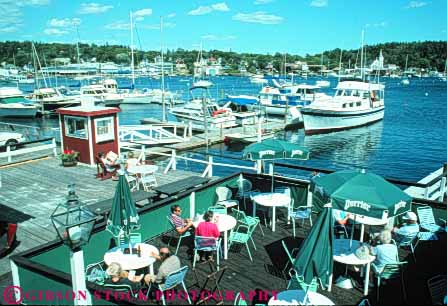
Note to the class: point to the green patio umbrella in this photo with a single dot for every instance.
(314, 259)
(273, 149)
(123, 217)
(361, 193)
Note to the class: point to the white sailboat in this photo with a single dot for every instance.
(405, 80)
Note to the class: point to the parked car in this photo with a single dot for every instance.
(11, 139)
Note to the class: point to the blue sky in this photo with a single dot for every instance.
(261, 26)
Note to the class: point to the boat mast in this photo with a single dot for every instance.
(406, 64)
(339, 64)
(321, 65)
(132, 67)
(445, 68)
(38, 62)
(162, 71)
(361, 56)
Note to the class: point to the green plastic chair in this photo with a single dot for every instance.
(238, 301)
(218, 209)
(133, 238)
(297, 282)
(208, 244)
(242, 218)
(242, 237)
(180, 237)
(392, 271)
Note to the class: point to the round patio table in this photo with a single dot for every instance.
(296, 297)
(345, 254)
(368, 221)
(132, 261)
(271, 200)
(224, 224)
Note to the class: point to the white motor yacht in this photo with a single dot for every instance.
(14, 104)
(202, 109)
(355, 103)
(49, 99)
(99, 95)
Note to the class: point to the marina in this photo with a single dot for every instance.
(221, 154)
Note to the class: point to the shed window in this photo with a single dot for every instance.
(104, 129)
(76, 127)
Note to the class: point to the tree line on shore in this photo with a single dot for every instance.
(429, 55)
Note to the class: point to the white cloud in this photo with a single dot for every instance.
(93, 8)
(172, 15)
(258, 17)
(55, 31)
(10, 29)
(319, 3)
(216, 37)
(142, 13)
(63, 23)
(376, 25)
(222, 6)
(258, 2)
(416, 4)
(118, 25)
(202, 10)
(32, 2)
(11, 17)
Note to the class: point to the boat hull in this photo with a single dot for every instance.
(212, 123)
(23, 112)
(325, 121)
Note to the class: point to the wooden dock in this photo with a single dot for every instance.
(213, 137)
(36, 187)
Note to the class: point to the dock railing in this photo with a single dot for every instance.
(21, 151)
(173, 158)
(432, 187)
(157, 133)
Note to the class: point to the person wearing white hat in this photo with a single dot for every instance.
(409, 228)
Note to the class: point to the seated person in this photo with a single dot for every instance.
(169, 264)
(181, 225)
(110, 165)
(207, 228)
(341, 219)
(386, 252)
(120, 277)
(409, 227)
(131, 160)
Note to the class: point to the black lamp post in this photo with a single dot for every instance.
(74, 225)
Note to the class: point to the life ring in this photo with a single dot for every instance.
(218, 112)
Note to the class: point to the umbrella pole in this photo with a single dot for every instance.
(272, 165)
(352, 232)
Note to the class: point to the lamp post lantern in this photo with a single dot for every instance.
(74, 225)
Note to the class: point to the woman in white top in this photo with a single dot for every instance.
(131, 160)
(385, 253)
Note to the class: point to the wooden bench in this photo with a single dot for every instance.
(181, 185)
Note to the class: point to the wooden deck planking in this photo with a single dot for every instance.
(38, 186)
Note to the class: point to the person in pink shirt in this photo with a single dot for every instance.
(207, 228)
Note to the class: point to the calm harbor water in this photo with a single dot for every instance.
(408, 144)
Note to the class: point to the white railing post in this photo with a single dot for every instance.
(8, 152)
(174, 160)
(442, 189)
(210, 164)
(426, 193)
(192, 204)
(271, 169)
(53, 142)
(258, 166)
(190, 128)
